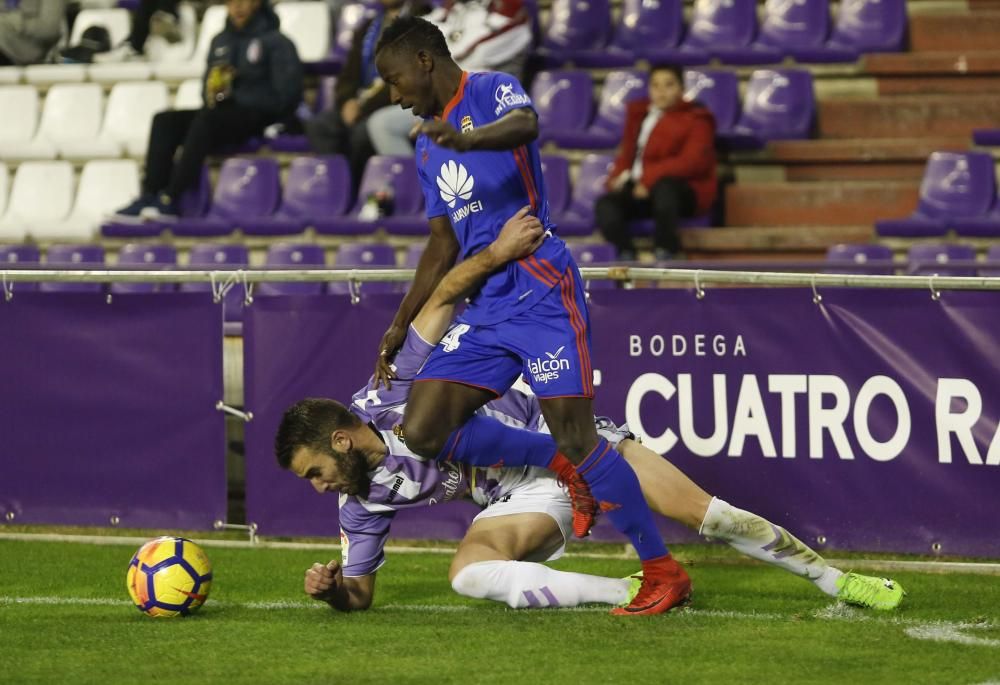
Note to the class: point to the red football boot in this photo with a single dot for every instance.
(583, 502)
(665, 585)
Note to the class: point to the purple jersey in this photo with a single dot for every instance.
(404, 480)
(480, 190)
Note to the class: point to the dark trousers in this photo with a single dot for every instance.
(669, 200)
(198, 132)
(142, 16)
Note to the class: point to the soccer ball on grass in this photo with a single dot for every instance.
(169, 577)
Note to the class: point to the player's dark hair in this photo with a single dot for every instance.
(675, 69)
(411, 34)
(309, 423)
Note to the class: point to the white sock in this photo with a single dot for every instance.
(759, 538)
(522, 584)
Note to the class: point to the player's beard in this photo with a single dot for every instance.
(353, 469)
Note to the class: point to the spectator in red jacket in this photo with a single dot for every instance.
(665, 168)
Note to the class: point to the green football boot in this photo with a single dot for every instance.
(869, 591)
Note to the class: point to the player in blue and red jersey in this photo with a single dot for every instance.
(479, 165)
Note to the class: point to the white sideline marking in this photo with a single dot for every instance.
(978, 568)
(939, 633)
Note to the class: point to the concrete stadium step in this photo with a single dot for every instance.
(952, 62)
(852, 203)
(780, 242)
(971, 31)
(908, 116)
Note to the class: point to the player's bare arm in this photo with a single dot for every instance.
(437, 259)
(516, 128)
(326, 583)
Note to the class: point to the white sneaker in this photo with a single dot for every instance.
(123, 53)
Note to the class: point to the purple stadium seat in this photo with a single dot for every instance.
(576, 27)
(926, 260)
(956, 186)
(351, 17)
(564, 101)
(316, 189)
(594, 254)
(555, 172)
(362, 256)
(620, 87)
(293, 256)
(992, 255)
(193, 203)
(211, 257)
(13, 256)
(145, 258)
(716, 26)
(788, 26)
(579, 217)
(719, 91)
(643, 28)
(986, 136)
(397, 174)
(849, 259)
(289, 143)
(870, 26)
(247, 188)
(779, 105)
(74, 257)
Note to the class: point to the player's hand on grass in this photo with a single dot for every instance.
(391, 342)
(444, 134)
(324, 582)
(520, 236)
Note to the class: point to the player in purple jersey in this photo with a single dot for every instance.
(526, 516)
(478, 164)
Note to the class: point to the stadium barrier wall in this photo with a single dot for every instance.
(108, 410)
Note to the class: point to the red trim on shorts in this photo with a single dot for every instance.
(559, 397)
(452, 380)
(579, 327)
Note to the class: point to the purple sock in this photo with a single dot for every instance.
(484, 441)
(616, 488)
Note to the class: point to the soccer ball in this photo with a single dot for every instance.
(169, 577)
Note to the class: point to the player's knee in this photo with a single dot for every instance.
(577, 444)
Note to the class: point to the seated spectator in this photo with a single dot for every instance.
(359, 92)
(665, 168)
(482, 35)
(254, 79)
(158, 17)
(29, 29)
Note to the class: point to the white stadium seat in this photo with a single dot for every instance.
(105, 185)
(4, 187)
(189, 95)
(127, 120)
(307, 25)
(20, 114)
(118, 23)
(42, 193)
(11, 75)
(212, 24)
(72, 113)
(157, 50)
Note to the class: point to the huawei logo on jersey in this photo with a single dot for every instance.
(455, 183)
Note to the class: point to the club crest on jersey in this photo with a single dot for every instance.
(506, 97)
(397, 430)
(548, 369)
(467, 124)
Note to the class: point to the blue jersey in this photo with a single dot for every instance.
(480, 190)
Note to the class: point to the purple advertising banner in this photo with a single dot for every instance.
(107, 414)
(315, 346)
(865, 422)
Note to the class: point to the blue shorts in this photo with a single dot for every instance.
(549, 344)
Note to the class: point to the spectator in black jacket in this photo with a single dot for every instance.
(253, 79)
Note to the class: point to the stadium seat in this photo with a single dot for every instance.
(647, 27)
(719, 91)
(42, 193)
(620, 87)
(589, 186)
(594, 254)
(397, 175)
(779, 105)
(986, 136)
(194, 203)
(212, 23)
(351, 17)
(364, 255)
(11, 256)
(11, 75)
(145, 258)
(4, 190)
(20, 115)
(127, 122)
(73, 257)
(293, 256)
(576, 27)
(316, 189)
(555, 171)
(118, 23)
(564, 102)
(72, 113)
(157, 50)
(247, 188)
(870, 26)
(992, 255)
(105, 185)
(926, 260)
(850, 259)
(714, 25)
(219, 257)
(307, 25)
(413, 254)
(189, 95)
(956, 185)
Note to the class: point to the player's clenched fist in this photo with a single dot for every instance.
(323, 582)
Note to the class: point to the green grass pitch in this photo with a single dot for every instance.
(65, 618)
